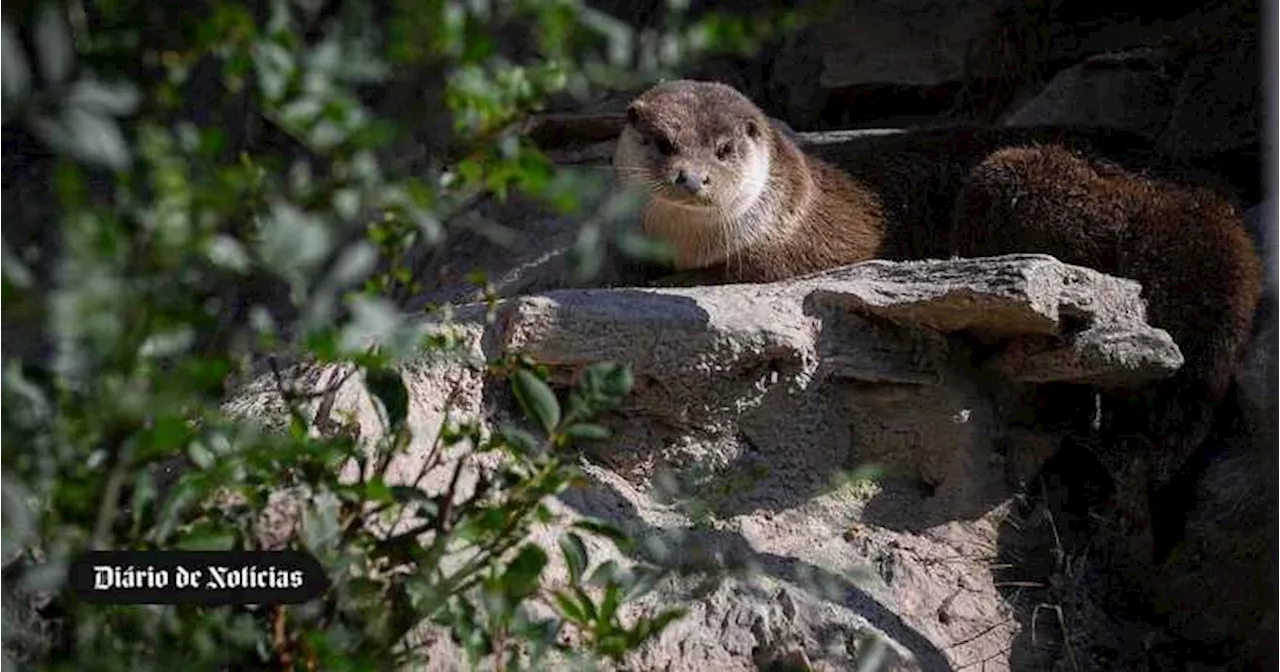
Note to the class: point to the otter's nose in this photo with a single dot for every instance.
(691, 180)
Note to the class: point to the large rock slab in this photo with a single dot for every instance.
(913, 43)
(1134, 91)
(750, 403)
(1218, 102)
(1099, 318)
(1199, 98)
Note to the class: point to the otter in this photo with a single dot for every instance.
(740, 201)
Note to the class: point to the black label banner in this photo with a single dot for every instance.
(198, 577)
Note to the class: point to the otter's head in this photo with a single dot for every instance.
(698, 145)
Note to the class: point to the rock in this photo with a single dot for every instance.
(1232, 542)
(1133, 91)
(1219, 583)
(1257, 373)
(1218, 103)
(529, 255)
(1218, 586)
(916, 43)
(551, 131)
(878, 64)
(1023, 45)
(1198, 98)
(879, 60)
(753, 400)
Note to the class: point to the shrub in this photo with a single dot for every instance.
(227, 186)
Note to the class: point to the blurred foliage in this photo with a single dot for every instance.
(229, 188)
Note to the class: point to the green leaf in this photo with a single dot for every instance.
(96, 97)
(602, 387)
(19, 519)
(587, 254)
(293, 239)
(53, 41)
(189, 490)
(575, 555)
(587, 432)
(654, 626)
(863, 473)
(642, 581)
(347, 202)
(354, 264)
(870, 656)
(569, 607)
(618, 381)
(537, 399)
(275, 68)
(46, 577)
(321, 529)
(522, 442)
(207, 537)
(388, 387)
(227, 252)
(407, 493)
(144, 493)
(585, 602)
(375, 490)
(15, 72)
(14, 271)
(200, 455)
(604, 573)
(89, 137)
(609, 605)
(524, 572)
(614, 533)
(640, 247)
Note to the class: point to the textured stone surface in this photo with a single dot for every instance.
(1218, 102)
(1195, 100)
(1133, 91)
(917, 43)
(753, 399)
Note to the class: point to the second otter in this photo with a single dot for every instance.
(739, 199)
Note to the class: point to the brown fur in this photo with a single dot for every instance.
(1095, 198)
(1186, 245)
(804, 194)
(834, 198)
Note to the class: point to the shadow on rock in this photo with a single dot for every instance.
(1208, 601)
(722, 554)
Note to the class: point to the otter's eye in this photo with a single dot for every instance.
(665, 146)
(724, 150)
(633, 116)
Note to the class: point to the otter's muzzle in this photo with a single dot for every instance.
(691, 181)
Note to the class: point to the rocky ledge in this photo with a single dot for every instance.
(753, 400)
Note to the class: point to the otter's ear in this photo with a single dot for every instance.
(753, 129)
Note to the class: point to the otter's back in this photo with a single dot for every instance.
(918, 174)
